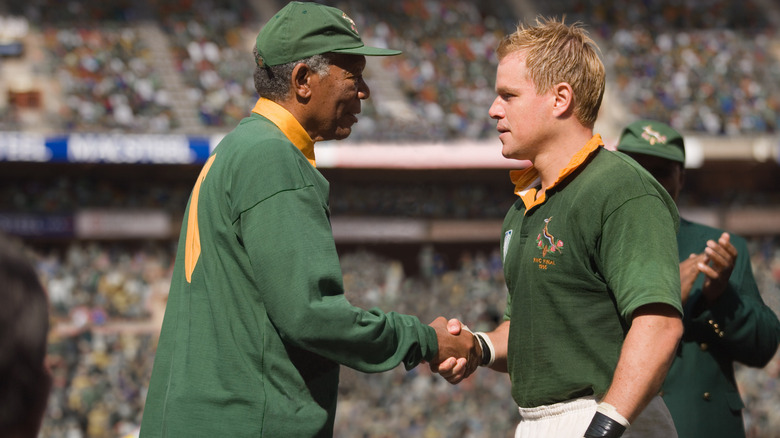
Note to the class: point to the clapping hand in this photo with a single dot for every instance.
(721, 256)
(689, 270)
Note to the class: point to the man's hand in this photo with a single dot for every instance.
(722, 255)
(459, 353)
(454, 326)
(689, 270)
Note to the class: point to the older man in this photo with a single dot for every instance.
(257, 324)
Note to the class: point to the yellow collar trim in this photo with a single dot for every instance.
(527, 179)
(288, 125)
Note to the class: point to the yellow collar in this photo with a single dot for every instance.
(527, 179)
(288, 125)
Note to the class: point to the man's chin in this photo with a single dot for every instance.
(342, 132)
(512, 154)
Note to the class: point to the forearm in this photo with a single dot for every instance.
(500, 337)
(303, 296)
(645, 359)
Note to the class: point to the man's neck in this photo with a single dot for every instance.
(550, 162)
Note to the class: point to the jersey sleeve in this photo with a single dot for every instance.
(294, 261)
(638, 254)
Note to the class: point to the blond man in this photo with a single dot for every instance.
(593, 311)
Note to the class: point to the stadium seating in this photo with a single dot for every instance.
(107, 297)
(705, 67)
(184, 67)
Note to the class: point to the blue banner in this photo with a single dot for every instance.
(37, 225)
(104, 148)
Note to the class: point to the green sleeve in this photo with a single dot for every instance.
(638, 255)
(296, 267)
(748, 331)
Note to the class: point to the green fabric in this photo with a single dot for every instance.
(705, 361)
(252, 346)
(609, 248)
(654, 138)
(303, 29)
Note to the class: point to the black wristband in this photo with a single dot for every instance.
(485, 350)
(601, 426)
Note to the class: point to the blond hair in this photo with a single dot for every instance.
(555, 53)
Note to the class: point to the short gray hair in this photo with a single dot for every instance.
(273, 82)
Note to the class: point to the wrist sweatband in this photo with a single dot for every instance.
(488, 351)
(606, 423)
(610, 411)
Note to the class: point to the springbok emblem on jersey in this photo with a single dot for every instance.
(546, 241)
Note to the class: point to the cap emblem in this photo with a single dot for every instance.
(651, 136)
(351, 22)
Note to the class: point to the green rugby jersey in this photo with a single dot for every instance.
(597, 245)
(256, 323)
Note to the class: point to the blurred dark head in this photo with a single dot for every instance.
(24, 324)
(659, 149)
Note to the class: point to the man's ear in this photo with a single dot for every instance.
(301, 80)
(563, 96)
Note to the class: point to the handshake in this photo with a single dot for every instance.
(460, 350)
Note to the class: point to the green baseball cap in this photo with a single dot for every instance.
(302, 29)
(654, 138)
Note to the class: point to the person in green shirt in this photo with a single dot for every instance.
(725, 321)
(257, 324)
(593, 311)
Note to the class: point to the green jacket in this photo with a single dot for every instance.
(700, 389)
(256, 323)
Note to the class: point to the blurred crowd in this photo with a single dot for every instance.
(703, 66)
(716, 81)
(456, 200)
(107, 302)
(68, 194)
(452, 199)
(211, 45)
(760, 388)
(55, 192)
(108, 80)
(108, 299)
(446, 74)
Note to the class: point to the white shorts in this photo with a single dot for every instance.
(571, 418)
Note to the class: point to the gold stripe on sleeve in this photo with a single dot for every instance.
(192, 248)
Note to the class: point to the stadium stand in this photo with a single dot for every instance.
(123, 68)
(107, 297)
(705, 66)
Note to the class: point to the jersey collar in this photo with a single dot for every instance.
(288, 124)
(527, 180)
